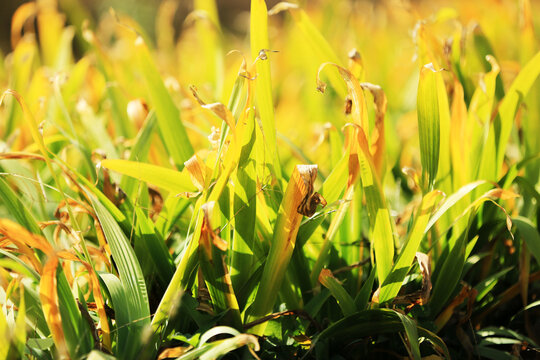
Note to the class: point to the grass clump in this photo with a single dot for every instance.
(165, 199)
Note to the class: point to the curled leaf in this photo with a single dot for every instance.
(197, 172)
(282, 6)
(311, 199)
(377, 137)
(21, 18)
(356, 65)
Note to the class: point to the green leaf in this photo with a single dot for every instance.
(412, 334)
(216, 349)
(223, 347)
(451, 201)
(245, 209)
(335, 224)
(99, 355)
(76, 330)
(17, 209)
(503, 332)
(381, 229)
(449, 273)
(17, 265)
(139, 152)
(393, 282)
(509, 105)
(362, 298)
(127, 345)
(150, 249)
(209, 32)
(170, 125)
(263, 90)
(132, 288)
(529, 233)
(487, 284)
(282, 246)
(344, 300)
(40, 344)
(369, 323)
(493, 354)
(212, 263)
(428, 124)
(168, 179)
(19, 333)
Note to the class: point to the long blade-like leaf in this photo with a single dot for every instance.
(173, 131)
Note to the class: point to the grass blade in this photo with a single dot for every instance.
(126, 340)
(529, 234)
(428, 125)
(263, 91)
(509, 106)
(412, 335)
(361, 162)
(130, 273)
(393, 282)
(245, 209)
(17, 209)
(50, 303)
(362, 299)
(209, 31)
(283, 243)
(170, 125)
(171, 180)
(345, 301)
(212, 263)
(139, 153)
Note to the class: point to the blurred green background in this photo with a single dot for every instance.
(232, 13)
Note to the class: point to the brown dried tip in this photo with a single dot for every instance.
(348, 105)
(157, 202)
(137, 111)
(321, 87)
(354, 55)
(309, 203)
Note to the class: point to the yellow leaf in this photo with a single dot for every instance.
(50, 305)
